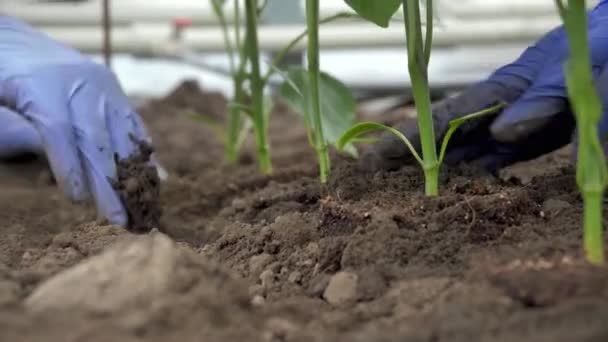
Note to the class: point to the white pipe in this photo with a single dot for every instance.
(124, 12)
(483, 9)
(470, 9)
(200, 12)
(147, 38)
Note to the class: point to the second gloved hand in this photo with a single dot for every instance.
(537, 119)
(57, 102)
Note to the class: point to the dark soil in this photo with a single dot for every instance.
(365, 258)
(139, 188)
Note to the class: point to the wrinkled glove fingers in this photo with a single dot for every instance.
(52, 122)
(89, 112)
(492, 155)
(121, 132)
(548, 96)
(17, 135)
(537, 108)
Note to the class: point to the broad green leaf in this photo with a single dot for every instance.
(379, 12)
(338, 106)
(367, 127)
(288, 82)
(454, 124)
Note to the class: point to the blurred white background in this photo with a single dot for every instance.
(473, 37)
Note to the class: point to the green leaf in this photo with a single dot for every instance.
(338, 106)
(379, 12)
(454, 124)
(367, 127)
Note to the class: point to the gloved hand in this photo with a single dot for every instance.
(537, 119)
(55, 101)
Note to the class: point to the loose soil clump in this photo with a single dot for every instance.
(139, 188)
(281, 258)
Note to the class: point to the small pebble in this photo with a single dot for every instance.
(313, 248)
(267, 277)
(295, 277)
(342, 288)
(258, 300)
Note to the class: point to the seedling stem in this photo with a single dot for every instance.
(257, 88)
(591, 170)
(418, 55)
(312, 20)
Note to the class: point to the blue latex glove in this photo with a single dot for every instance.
(536, 121)
(56, 102)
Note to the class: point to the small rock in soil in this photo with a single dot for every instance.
(258, 301)
(139, 188)
(342, 289)
(267, 277)
(295, 277)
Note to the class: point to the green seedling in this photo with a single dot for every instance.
(249, 84)
(325, 104)
(234, 45)
(257, 111)
(314, 73)
(591, 170)
(336, 101)
(419, 54)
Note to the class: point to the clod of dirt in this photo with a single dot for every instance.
(138, 273)
(342, 288)
(139, 188)
(128, 273)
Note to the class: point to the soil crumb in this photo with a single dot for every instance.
(139, 188)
